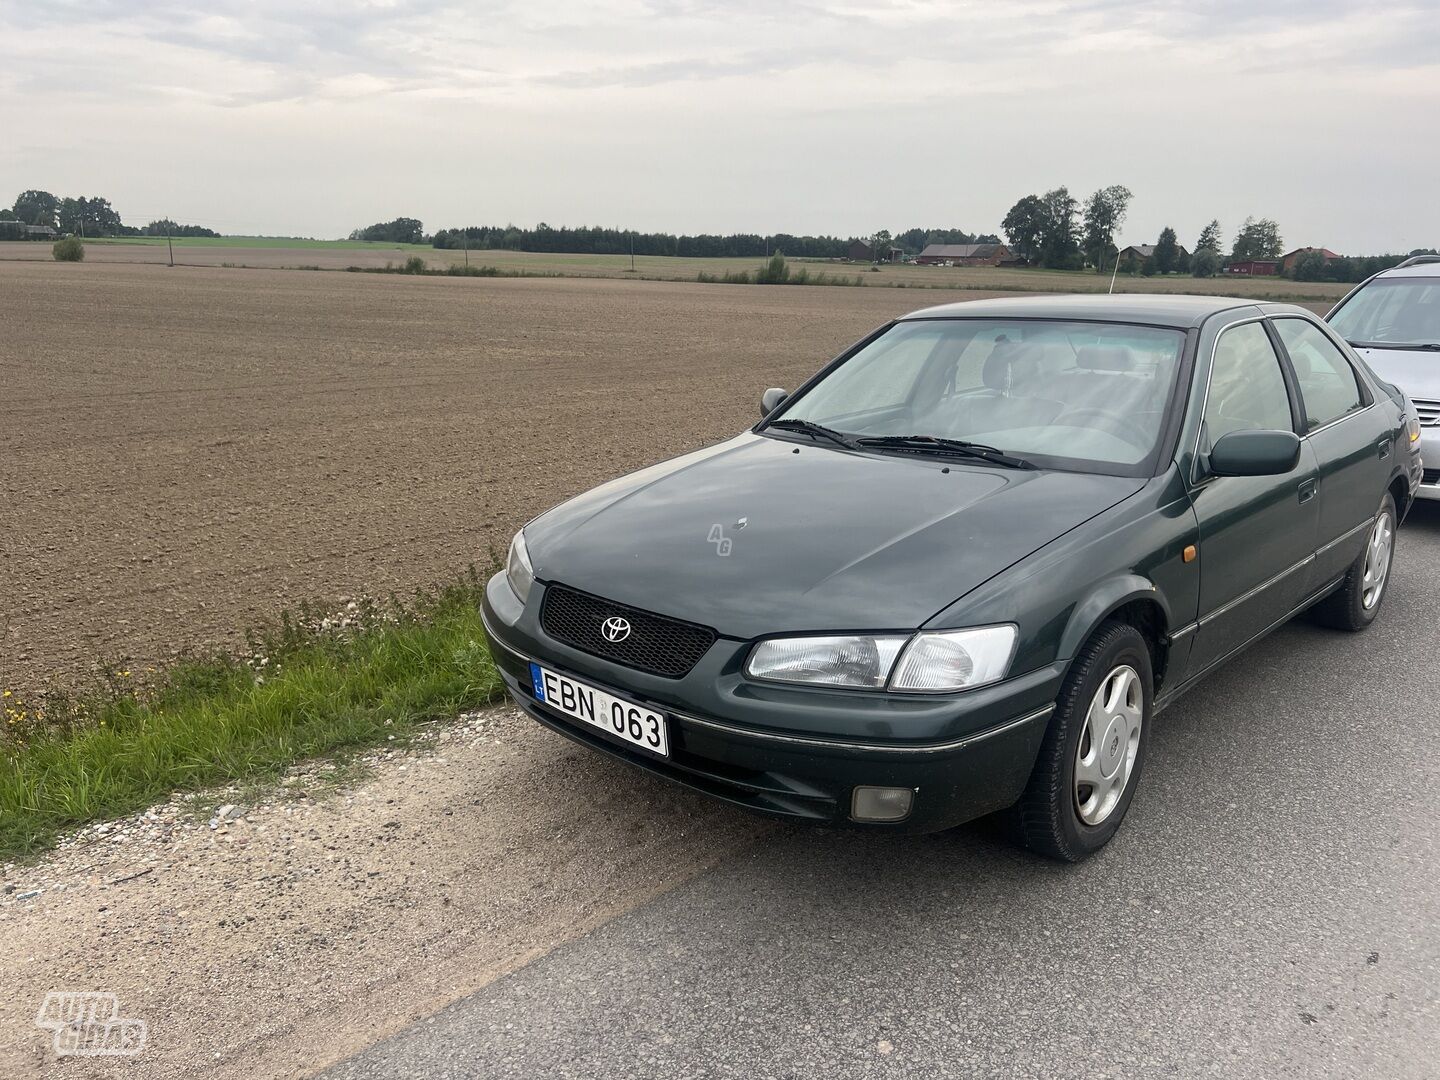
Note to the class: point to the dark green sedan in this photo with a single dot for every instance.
(963, 567)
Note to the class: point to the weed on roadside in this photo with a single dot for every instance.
(316, 682)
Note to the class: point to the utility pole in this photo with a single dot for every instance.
(465, 232)
(632, 251)
(168, 242)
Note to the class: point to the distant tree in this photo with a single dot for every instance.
(37, 208)
(1024, 226)
(403, 230)
(166, 227)
(879, 245)
(89, 217)
(1059, 231)
(1167, 252)
(1205, 263)
(7, 215)
(1257, 240)
(1209, 238)
(1104, 212)
(1311, 266)
(915, 241)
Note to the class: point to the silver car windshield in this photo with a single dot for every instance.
(1392, 311)
(1078, 395)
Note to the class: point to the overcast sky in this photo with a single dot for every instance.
(312, 118)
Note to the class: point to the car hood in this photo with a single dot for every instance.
(1416, 371)
(761, 536)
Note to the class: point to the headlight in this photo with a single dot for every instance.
(955, 659)
(1412, 429)
(826, 661)
(518, 571)
(935, 662)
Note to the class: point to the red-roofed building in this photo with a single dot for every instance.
(1287, 262)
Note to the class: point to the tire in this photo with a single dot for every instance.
(1354, 605)
(1051, 816)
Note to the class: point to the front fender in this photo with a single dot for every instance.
(1105, 598)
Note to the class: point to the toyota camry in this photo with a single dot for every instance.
(962, 568)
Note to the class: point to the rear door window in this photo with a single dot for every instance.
(1329, 387)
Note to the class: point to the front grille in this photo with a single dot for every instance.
(659, 645)
(1429, 411)
(1431, 476)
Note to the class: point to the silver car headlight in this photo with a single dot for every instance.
(931, 662)
(850, 660)
(518, 571)
(955, 659)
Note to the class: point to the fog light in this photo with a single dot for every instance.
(881, 803)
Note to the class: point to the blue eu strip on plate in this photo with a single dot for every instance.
(537, 681)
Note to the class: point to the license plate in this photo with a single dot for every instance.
(635, 724)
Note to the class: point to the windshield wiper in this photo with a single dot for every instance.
(1423, 346)
(932, 444)
(814, 430)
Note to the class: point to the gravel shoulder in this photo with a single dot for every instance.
(301, 925)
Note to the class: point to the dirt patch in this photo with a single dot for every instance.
(279, 936)
(189, 450)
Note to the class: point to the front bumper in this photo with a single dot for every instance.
(797, 752)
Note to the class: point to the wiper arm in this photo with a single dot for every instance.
(933, 444)
(809, 427)
(1419, 346)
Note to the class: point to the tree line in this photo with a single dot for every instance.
(87, 216)
(1055, 230)
(595, 240)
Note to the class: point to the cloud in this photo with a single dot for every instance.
(956, 104)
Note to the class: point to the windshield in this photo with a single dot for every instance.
(1395, 311)
(1077, 395)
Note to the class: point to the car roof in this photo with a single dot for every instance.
(1418, 269)
(1156, 309)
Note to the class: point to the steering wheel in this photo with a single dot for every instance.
(1104, 421)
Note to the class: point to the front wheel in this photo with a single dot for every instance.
(1354, 605)
(1089, 765)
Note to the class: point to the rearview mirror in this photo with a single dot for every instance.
(1255, 453)
(771, 400)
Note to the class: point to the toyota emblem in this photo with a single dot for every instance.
(615, 629)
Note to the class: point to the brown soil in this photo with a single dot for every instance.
(187, 451)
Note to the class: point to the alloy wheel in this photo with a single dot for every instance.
(1109, 744)
(1377, 559)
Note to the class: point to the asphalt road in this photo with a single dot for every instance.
(1271, 908)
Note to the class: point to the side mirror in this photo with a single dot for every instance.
(771, 400)
(1255, 453)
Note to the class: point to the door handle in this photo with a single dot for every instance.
(1307, 490)
(1384, 446)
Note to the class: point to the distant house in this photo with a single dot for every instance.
(1254, 267)
(963, 255)
(1138, 253)
(1288, 261)
(18, 230)
(860, 251)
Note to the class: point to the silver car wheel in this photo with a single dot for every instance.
(1109, 744)
(1377, 560)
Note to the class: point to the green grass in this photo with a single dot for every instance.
(309, 686)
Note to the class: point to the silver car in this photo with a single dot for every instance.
(1393, 321)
